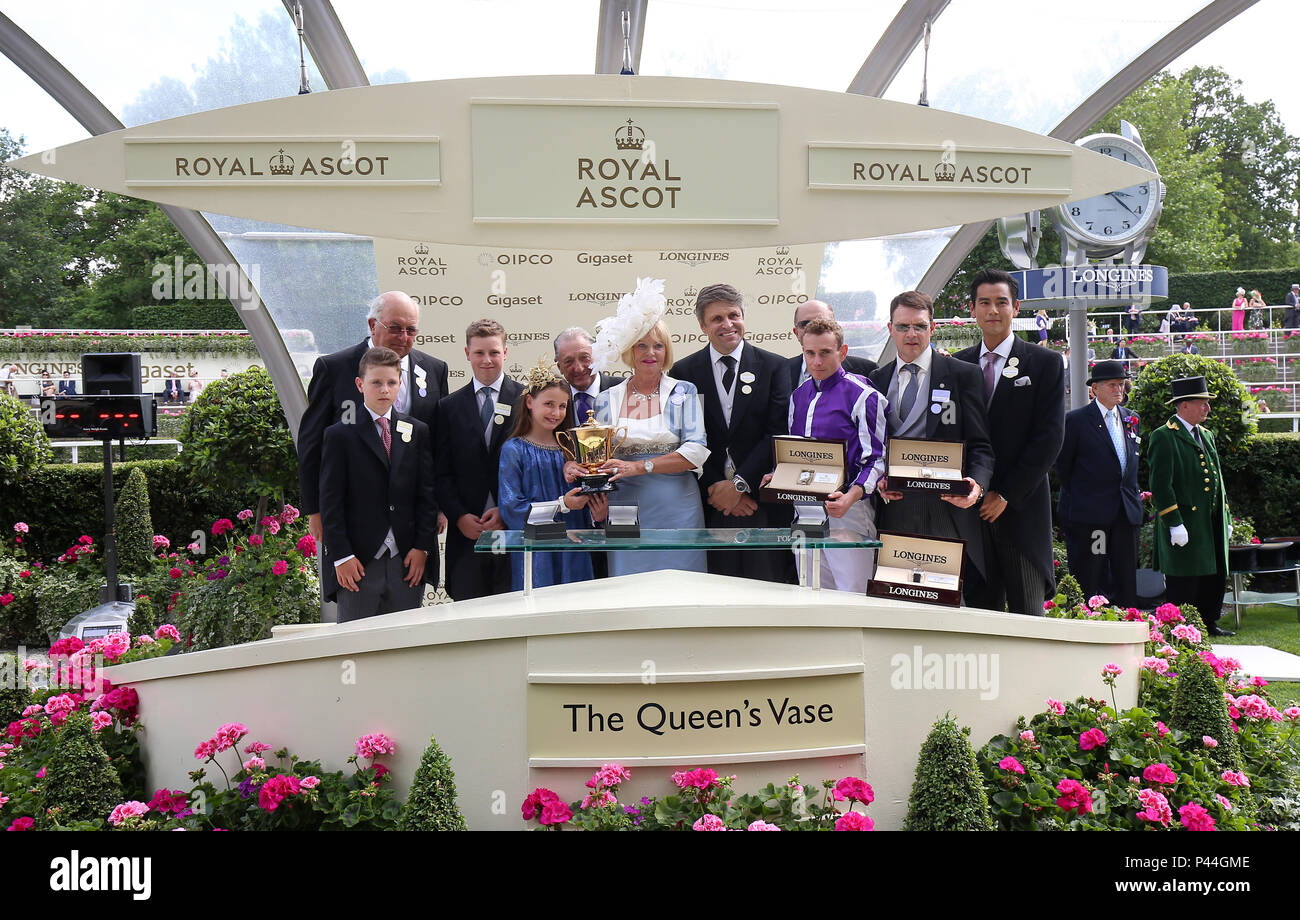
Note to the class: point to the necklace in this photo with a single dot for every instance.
(551, 446)
(638, 397)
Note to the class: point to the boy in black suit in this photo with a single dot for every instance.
(380, 458)
(471, 425)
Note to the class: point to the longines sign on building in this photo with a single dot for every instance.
(656, 163)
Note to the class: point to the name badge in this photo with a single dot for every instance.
(747, 377)
(939, 395)
(405, 429)
(502, 408)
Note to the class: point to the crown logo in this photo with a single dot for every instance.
(945, 172)
(516, 369)
(421, 249)
(282, 165)
(630, 137)
(690, 291)
(783, 250)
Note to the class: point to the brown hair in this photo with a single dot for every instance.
(659, 332)
(819, 326)
(914, 299)
(718, 293)
(483, 328)
(524, 425)
(379, 357)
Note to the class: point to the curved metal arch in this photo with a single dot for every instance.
(894, 46)
(329, 45)
(1112, 93)
(31, 58)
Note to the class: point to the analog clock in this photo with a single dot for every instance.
(1109, 223)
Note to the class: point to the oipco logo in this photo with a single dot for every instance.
(438, 300)
(515, 258)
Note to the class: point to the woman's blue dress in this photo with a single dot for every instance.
(536, 474)
(666, 501)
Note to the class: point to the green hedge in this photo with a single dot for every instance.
(1207, 290)
(1263, 483)
(192, 314)
(60, 502)
(13, 345)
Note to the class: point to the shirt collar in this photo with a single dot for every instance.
(496, 384)
(593, 389)
(1186, 424)
(714, 354)
(923, 361)
(1003, 350)
(375, 417)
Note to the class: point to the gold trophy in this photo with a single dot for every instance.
(590, 445)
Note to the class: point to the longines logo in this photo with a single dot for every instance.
(637, 172)
(280, 165)
(944, 173)
(421, 263)
(603, 298)
(693, 258)
(513, 337)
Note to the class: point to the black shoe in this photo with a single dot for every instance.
(1214, 630)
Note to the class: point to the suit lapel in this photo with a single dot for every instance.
(508, 395)
(399, 448)
(1005, 383)
(938, 381)
(1097, 424)
(740, 402)
(370, 437)
(469, 412)
(707, 384)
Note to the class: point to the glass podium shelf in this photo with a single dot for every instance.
(732, 538)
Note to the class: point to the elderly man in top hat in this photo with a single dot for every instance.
(1100, 508)
(1192, 514)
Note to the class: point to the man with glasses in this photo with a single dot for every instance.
(934, 396)
(394, 320)
(804, 314)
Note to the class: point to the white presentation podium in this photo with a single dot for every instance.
(661, 671)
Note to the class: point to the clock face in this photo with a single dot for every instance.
(1118, 217)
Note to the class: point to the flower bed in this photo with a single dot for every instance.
(1260, 370)
(1278, 398)
(1289, 342)
(1249, 343)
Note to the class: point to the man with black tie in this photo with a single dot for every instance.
(67, 386)
(745, 399)
(573, 358)
(934, 396)
(805, 313)
(1122, 352)
(471, 426)
(394, 319)
(1024, 390)
(1100, 507)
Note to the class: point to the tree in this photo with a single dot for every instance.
(431, 805)
(133, 524)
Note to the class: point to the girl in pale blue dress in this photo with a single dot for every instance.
(658, 466)
(532, 470)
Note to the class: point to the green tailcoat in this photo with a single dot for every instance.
(1187, 488)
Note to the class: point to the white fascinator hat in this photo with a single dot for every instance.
(637, 314)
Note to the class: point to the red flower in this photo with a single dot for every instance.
(222, 526)
(307, 545)
(21, 824)
(536, 800)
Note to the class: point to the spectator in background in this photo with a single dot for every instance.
(47, 384)
(193, 387)
(1043, 323)
(224, 373)
(1239, 310)
(1189, 348)
(8, 373)
(67, 386)
(1256, 306)
(173, 392)
(1291, 318)
(1122, 352)
(1133, 320)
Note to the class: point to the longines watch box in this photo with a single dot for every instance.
(807, 469)
(918, 465)
(623, 521)
(916, 568)
(543, 522)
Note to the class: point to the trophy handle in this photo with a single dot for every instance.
(615, 447)
(567, 445)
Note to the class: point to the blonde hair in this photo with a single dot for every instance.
(659, 333)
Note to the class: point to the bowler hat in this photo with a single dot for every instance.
(1188, 388)
(1108, 370)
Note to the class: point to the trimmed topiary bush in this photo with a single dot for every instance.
(948, 794)
(143, 618)
(1199, 710)
(1232, 426)
(134, 524)
(80, 780)
(24, 448)
(431, 805)
(1068, 586)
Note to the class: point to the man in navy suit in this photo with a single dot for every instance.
(1024, 390)
(1122, 352)
(67, 386)
(471, 426)
(377, 500)
(573, 358)
(935, 396)
(746, 400)
(804, 314)
(1100, 507)
(394, 319)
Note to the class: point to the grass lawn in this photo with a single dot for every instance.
(1273, 625)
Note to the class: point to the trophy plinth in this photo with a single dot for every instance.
(591, 445)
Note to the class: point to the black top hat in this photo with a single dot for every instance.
(1189, 388)
(1108, 370)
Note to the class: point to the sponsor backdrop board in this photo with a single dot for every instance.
(535, 293)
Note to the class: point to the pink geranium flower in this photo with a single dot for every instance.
(854, 821)
(1195, 818)
(307, 545)
(280, 567)
(167, 631)
(1092, 738)
(276, 789)
(555, 812)
(1097, 601)
(1027, 736)
(535, 800)
(761, 825)
(1234, 778)
(1074, 797)
(1112, 670)
(1056, 706)
(223, 525)
(1159, 773)
(1011, 765)
(854, 790)
(1155, 808)
(372, 745)
(127, 810)
(1187, 633)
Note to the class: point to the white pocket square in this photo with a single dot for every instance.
(1023, 382)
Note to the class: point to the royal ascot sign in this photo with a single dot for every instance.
(154, 162)
(688, 720)
(1096, 285)
(661, 164)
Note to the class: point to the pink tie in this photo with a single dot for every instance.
(385, 435)
(990, 375)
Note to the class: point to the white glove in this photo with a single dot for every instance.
(1178, 535)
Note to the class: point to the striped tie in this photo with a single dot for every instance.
(1116, 437)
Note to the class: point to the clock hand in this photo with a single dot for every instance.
(1121, 204)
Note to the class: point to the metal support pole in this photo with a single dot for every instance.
(1078, 326)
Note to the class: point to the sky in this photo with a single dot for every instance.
(117, 49)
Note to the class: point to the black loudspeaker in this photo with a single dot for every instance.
(111, 374)
(99, 417)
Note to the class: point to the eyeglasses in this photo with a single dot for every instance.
(918, 328)
(412, 331)
(802, 323)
